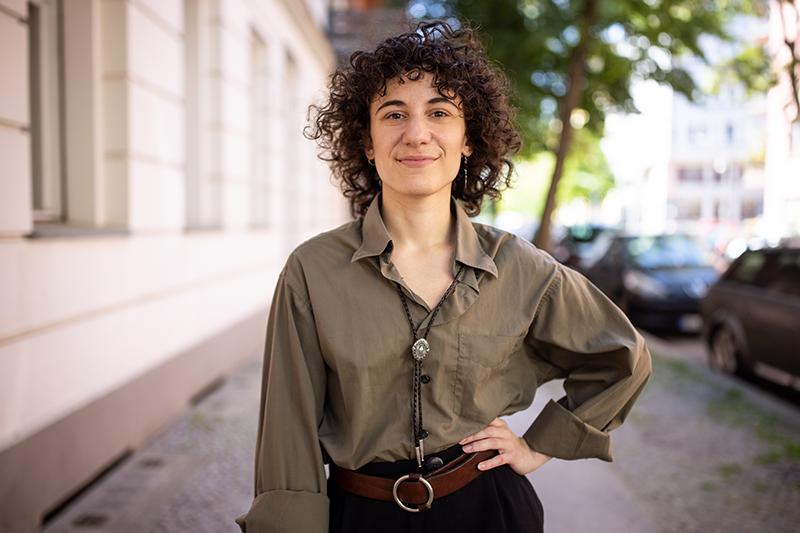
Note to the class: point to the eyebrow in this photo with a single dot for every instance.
(400, 103)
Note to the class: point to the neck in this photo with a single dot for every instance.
(419, 225)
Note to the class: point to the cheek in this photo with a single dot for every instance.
(384, 142)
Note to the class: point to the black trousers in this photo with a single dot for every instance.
(498, 501)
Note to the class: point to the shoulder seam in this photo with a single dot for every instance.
(296, 291)
(546, 296)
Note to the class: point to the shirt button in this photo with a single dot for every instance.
(423, 434)
(425, 378)
(433, 463)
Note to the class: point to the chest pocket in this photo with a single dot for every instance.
(480, 389)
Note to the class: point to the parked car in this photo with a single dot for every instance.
(580, 246)
(657, 281)
(752, 316)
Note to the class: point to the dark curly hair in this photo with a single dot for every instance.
(458, 64)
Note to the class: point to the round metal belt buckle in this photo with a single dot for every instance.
(404, 506)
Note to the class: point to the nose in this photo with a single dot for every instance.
(417, 131)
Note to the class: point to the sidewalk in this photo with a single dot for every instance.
(197, 476)
(699, 453)
(586, 496)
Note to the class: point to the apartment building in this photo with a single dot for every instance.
(153, 178)
(696, 167)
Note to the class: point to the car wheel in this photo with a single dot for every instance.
(723, 357)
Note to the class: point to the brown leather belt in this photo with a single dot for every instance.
(413, 489)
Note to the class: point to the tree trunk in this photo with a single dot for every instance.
(570, 102)
(791, 42)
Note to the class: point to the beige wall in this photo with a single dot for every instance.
(179, 179)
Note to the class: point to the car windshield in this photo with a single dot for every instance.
(585, 233)
(668, 251)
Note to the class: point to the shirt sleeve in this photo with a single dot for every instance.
(605, 364)
(290, 483)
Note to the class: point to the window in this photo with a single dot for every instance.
(202, 187)
(697, 136)
(688, 210)
(691, 174)
(787, 274)
(752, 208)
(749, 267)
(294, 209)
(259, 177)
(44, 62)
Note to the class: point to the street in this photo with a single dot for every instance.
(699, 453)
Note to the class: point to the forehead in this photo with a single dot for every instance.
(401, 87)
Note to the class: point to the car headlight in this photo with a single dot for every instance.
(644, 285)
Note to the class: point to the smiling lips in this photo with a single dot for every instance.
(416, 160)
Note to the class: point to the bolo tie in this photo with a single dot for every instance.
(419, 351)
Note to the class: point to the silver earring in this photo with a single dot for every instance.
(465, 173)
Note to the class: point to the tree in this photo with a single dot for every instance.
(788, 8)
(572, 61)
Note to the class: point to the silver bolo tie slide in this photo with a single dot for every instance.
(420, 350)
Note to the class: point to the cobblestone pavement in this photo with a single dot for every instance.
(699, 453)
(706, 453)
(197, 476)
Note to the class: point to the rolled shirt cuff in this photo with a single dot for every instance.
(557, 432)
(286, 511)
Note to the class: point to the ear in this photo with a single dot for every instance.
(467, 150)
(369, 151)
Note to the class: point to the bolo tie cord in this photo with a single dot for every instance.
(420, 351)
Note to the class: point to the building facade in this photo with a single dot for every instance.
(153, 178)
(782, 194)
(696, 167)
(360, 24)
(715, 178)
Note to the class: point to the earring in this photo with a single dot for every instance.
(465, 173)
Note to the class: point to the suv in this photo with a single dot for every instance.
(752, 316)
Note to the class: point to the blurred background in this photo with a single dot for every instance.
(154, 177)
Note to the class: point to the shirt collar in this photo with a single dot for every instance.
(375, 240)
(469, 250)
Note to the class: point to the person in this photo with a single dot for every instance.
(396, 342)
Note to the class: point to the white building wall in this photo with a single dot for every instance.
(649, 151)
(167, 237)
(638, 147)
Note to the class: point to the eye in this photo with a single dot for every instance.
(440, 114)
(394, 115)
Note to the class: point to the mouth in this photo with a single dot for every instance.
(416, 160)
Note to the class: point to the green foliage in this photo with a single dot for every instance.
(630, 40)
(586, 175)
(607, 46)
(751, 67)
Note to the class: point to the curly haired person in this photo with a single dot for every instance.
(396, 342)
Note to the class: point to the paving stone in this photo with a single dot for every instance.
(699, 453)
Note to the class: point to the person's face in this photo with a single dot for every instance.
(417, 138)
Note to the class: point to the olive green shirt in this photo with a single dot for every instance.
(338, 370)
